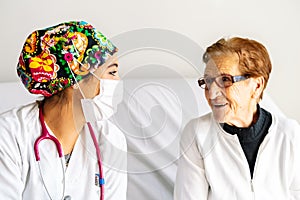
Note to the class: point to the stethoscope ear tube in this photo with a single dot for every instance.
(45, 135)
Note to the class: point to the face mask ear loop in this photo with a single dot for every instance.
(95, 76)
(99, 79)
(76, 81)
(89, 71)
(77, 53)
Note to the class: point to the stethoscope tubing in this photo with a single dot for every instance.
(99, 160)
(46, 135)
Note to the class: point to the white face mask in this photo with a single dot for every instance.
(101, 107)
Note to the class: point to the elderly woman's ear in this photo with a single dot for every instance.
(259, 85)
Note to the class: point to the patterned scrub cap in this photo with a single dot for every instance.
(52, 58)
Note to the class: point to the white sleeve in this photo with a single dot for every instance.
(11, 184)
(295, 185)
(190, 182)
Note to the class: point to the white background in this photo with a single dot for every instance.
(275, 23)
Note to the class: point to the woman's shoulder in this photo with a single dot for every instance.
(201, 121)
(18, 116)
(203, 130)
(290, 128)
(17, 126)
(201, 125)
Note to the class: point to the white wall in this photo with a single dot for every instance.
(275, 23)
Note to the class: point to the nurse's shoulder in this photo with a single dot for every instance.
(19, 120)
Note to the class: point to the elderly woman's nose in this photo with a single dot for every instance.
(214, 91)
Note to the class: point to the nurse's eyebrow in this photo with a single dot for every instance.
(112, 65)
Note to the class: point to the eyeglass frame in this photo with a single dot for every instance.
(234, 79)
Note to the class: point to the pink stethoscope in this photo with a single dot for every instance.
(45, 135)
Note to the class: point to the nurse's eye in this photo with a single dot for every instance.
(113, 73)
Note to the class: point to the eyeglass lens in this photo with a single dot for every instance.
(221, 81)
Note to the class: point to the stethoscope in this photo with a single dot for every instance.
(45, 135)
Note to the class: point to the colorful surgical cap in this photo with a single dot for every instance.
(54, 58)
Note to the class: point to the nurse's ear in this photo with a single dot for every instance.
(258, 87)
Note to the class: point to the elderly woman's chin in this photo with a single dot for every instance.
(219, 114)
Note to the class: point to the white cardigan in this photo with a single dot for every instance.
(213, 165)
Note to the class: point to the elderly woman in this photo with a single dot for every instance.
(240, 150)
(50, 149)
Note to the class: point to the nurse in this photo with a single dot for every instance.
(63, 146)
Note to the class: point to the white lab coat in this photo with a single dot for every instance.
(213, 165)
(19, 174)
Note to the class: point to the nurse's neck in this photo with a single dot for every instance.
(58, 112)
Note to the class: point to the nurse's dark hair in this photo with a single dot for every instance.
(58, 99)
(254, 59)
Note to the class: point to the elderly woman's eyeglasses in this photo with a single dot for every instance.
(222, 81)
